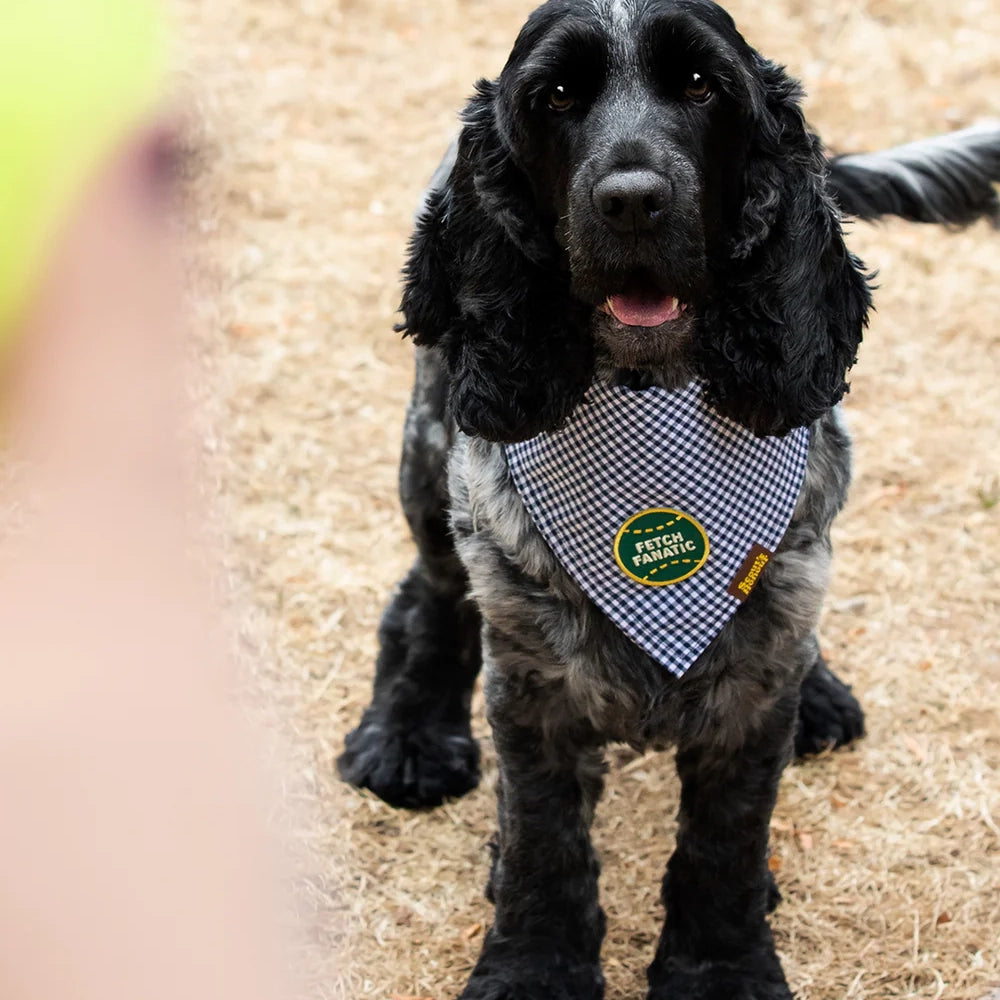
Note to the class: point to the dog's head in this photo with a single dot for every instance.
(637, 191)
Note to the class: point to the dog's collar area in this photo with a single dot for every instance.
(664, 512)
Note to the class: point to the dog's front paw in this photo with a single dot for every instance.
(531, 969)
(829, 715)
(756, 977)
(414, 768)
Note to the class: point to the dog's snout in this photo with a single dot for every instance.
(632, 201)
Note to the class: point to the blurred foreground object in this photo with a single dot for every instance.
(133, 857)
(74, 74)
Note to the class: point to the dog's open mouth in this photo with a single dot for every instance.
(644, 325)
(642, 303)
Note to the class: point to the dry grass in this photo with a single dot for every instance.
(322, 119)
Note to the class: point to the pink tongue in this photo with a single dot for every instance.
(643, 310)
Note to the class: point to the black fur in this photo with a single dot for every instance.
(485, 285)
(829, 715)
(633, 155)
(414, 745)
(948, 179)
(784, 324)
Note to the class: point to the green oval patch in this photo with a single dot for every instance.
(661, 546)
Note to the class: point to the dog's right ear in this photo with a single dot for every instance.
(484, 284)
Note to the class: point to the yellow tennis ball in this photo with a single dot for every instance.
(74, 75)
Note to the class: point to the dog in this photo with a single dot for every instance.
(635, 221)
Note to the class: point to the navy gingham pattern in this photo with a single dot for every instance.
(623, 452)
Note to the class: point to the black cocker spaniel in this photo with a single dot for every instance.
(635, 211)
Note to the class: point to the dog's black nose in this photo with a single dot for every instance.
(632, 201)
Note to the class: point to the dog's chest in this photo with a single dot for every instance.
(663, 512)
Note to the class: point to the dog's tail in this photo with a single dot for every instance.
(947, 179)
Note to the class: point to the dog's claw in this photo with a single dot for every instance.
(410, 768)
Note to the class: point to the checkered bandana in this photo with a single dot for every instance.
(663, 511)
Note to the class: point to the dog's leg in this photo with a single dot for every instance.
(829, 715)
(716, 943)
(546, 938)
(413, 746)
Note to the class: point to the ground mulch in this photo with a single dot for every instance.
(315, 124)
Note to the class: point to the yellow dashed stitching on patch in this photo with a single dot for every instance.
(673, 562)
(649, 531)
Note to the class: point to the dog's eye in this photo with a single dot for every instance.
(560, 99)
(698, 88)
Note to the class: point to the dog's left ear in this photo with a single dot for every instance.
(784, 323)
